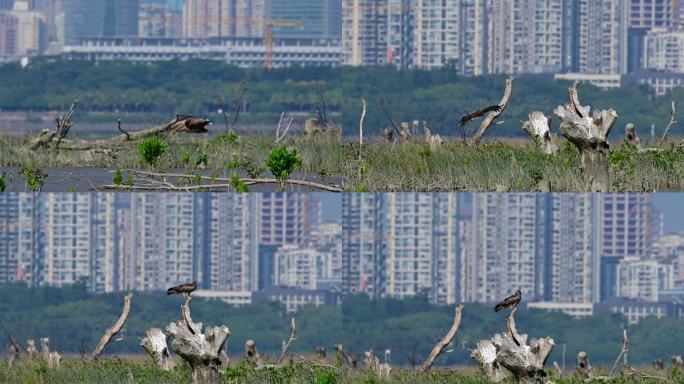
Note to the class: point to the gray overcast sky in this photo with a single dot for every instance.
(672, 205)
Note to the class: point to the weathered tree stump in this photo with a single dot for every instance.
(200, 350)
(538, 128)
(583, 362)
(507, 354)
(631, 136)
(13, 353)
(251, 353)
(31, 348)
(590, 135)
(156, 345)
(51, 358)
(320, 353)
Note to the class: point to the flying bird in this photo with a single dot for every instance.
(192, 124)
(474, 115)
(186, 288)
(510, 302)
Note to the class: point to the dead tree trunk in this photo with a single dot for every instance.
(590, 136)
(673, 122)
(507, 354)
(492, 116)
(201, 351)
(51, 358)
(111, 332)
(631, 136)
(293, 331)
(156, 345)
(446, 340)
(538, 128)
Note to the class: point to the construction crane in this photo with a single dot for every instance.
(268, 25)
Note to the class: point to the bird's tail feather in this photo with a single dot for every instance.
(498, 308)
(171, 291)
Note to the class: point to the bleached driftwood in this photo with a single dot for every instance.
(631, 136)
(446, 340)
(293, 331)
(52, 358)
(114, 329)
(590, 135)
(156, 344)
(507, 354)
(538, 128)
(492, 116)
(200, 350)
(47, 138)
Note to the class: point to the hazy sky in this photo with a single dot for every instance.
(672, 205)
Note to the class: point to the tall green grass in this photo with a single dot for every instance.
(502, 166)
(141, 371)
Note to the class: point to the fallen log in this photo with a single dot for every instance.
(507, 354)
(590, 135)
(47, 138)
(538, 128)
(114, 329)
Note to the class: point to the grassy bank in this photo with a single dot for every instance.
(514, 166)
(142, 371)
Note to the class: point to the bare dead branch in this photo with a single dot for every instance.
(622, 352)
(673, 122)
(363, 117)
(492, 116)
(293, 331)
(111, 332)
(11, 338)
(118, 126)
(389, 117)
(446, 340)
(64, 123)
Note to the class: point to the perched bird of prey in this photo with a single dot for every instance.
(192, 124)
(474, 115)
(186, 288)
(509, 302)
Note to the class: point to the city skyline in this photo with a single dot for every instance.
(569, 249)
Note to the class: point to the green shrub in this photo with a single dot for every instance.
(34, 177)
(239, 185)
(151, 150)
(282, 162)
(117, 177)
(3, 186)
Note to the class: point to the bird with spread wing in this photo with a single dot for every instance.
(477, 114)
(510, 302)
(186, 288)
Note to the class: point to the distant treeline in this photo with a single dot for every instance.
(438, 96)
(75, 319)
(169, 87)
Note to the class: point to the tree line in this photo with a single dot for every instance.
(74, 319)
(439, 97)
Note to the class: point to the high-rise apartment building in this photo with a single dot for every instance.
(320, 18)
(224, 18)
(80, 18)
(9, 27)
(30, 29)
(626, 225)
(157, 20)
(121, 17)
(362, 248)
